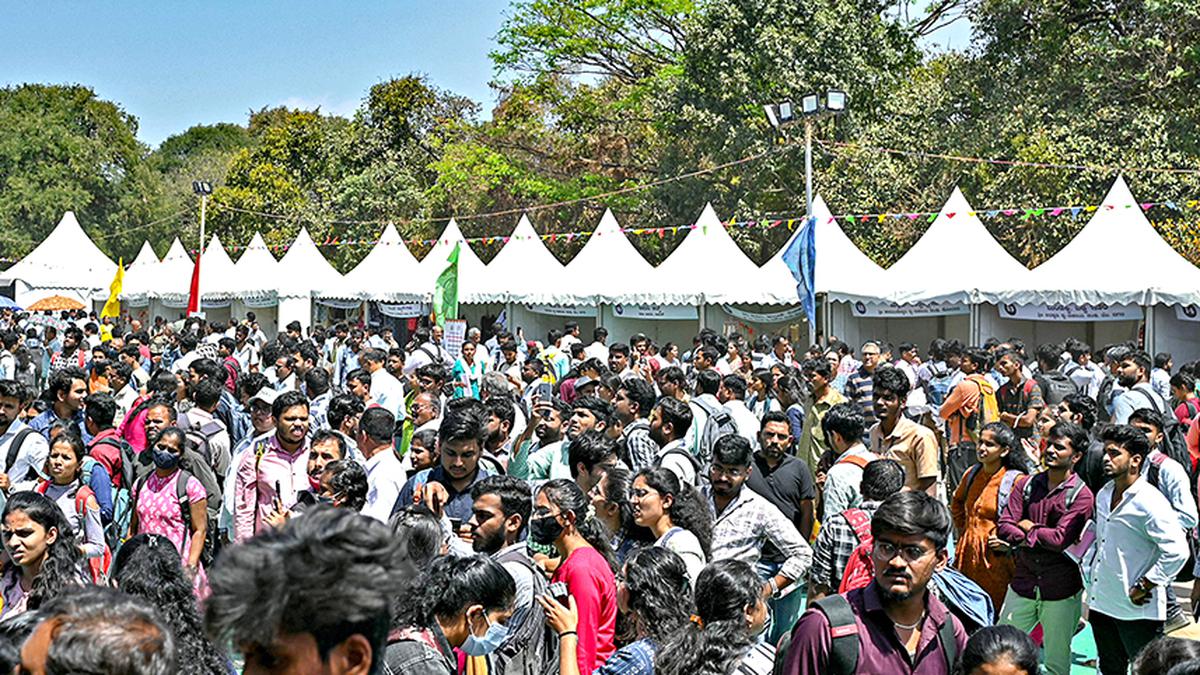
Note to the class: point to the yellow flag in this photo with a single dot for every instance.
(112, 308)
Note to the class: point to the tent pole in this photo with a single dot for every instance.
(701, 313)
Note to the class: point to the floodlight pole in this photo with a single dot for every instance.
(808, 192)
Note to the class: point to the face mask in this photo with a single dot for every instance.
(545, 530)
(164, 460)
(490, 642)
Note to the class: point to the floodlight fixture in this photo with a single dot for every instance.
(786, 113)
(835, 101)
(202, 187)
(810, 104)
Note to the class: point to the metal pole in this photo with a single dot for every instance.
(200, 255)
(808, 192)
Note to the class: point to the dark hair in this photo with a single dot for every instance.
(341, 407)
(980, 357)
(72, 440)
(359, 375)
(719, 640)
(598, 333)
(602, 409)
(820, 367)
(101, 409)
(1072, 432)
(994, 645)
(148, 566)
(348, 479)
(289, 399)
(674, 375)
(515, 496)
(207, 393)
(102, 630)
(1084, 406)
(328, 434)
(708, 381)
(913, 512)
(660, 593)
(881, 478)
(60, 569)
(893, 381)
(250, 384)
(454, 583)
(688, 510)
(60, 382)
(676, 413)
(377, 423)
(1140, 358)
(13, 389)
(1049, 355)
(373, 355)
(567, 496)
(1147, 416)
(208, 369)
(427, 438)
(618, 482)
(418, 534)
(640, 392)
(733, 450)
(1161, 359)
(462, 424)
(710, 353)
(331, 574)
(1132, 439)
(846, 419)
(619, 348)
(1006, 438)
(502, 407)
(590, 449)
(1163, 653)
(735, 385)
(1184, 381)
(316, 382)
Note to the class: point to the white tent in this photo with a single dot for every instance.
(388, 273)
(708, 266)
(302, 272)
(524, 269)
(470, 267)
(172, 278)
(67, 262)
(146, 257)
(137, 276)
(608, 269)
(216, 272)
(256, 274)
(954, 261)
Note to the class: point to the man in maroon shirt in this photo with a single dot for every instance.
(893, 625)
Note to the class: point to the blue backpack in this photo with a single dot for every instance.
(938, 387)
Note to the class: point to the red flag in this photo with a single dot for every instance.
(194, 292)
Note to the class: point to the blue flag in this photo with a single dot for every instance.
(801, 258)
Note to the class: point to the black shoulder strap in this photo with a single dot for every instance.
(1074, 493)
(15, 447)
(843, 634)
(1153, 403)
(185, 505)
(949, 643)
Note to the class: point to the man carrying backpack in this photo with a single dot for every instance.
(1042, 520)
(894, 624)
(1020, 398)
(1133, 374)
(972, 401)
(710, 420)
(844, 532)
(1055, 385)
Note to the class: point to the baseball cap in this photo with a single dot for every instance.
(266, 395)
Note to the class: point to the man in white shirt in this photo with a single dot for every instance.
(386, 390)
(598, 349)
(22, 450)
(124, 392)
(778, 353)
(245, 351)
(843, 428)
(1086, 375)
(1139, 535)
(670, 421)
(428, 351)
(570, 335)
(731, 395)
(8, 359)
(386, 474)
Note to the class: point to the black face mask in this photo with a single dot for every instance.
(544, 531)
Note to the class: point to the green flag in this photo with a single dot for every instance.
(445, 293)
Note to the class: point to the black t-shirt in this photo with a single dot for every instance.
(785, 486)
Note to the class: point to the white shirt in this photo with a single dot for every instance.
(676, 463)
(596, 350)
(424, 355)
(747, 423)
(31, 455)
(246, 356)
(181, 364)
(1141, 537)
(8, 365)
(124, 400)
(1173, 484)
(387, 392)
(386, 475)
(1087, 378)
(568, 340)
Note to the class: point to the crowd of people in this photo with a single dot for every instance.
(194, 497)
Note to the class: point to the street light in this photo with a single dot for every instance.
(203, 189)
(781, 116)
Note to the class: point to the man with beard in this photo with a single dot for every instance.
(386, 474)
(1019, 397)
(587, 412)
(550, 419)
(843, 427)
(670, 421)
(496, 447)
(68, 390)
(780, 477)
(1140, 547)
(893, 625)
(1133, 374)
(500, 513)
(275, 470)
(446, 489)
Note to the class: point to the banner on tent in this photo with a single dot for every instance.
(649, 311)
(557, 310)
(1071, 312)
(456, 335)
(889, 310)
(259, 302)
(217, 304)
(403, 310)
(1187, 312)
(783, 316)
(339, 304)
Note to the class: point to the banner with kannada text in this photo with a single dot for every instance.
(575, 311)
(649, 311)
(891, 310)
(1071, 312)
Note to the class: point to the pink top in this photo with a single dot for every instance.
(159, 513)
(133, 427)
(254, 488)
(590, 581)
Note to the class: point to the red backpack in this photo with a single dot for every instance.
(860, 569)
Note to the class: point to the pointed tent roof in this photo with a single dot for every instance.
(607, 270)
(66, 258)
(139, 272)
(843, 271)
(1085, 271)
(470, 267)
(691, 275)
(216, 271)
(524, 270)
(146, 257)
(170, 278)
(954, 261)
(256, 270)
(303, 270)
(389, 273)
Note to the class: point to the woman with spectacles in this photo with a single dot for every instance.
(675, 515)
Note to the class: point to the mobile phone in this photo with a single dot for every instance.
(545, 391)
(560, 593)
(278, 491)
(455, 524)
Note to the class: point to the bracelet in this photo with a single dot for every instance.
(565, 633)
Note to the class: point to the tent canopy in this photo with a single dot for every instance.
(607, 270)
(523, 270)
(66, 258)
(470, 267)
(303, 270)
(146, 257)
(216, 271)
(954, 260)
(170, 278)
(389, 273)
(257, 271)
(708, 266)
(1118, 258)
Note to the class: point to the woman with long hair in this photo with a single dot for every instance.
(179, 512)
(563, 518)
(722, 636)
(614, 510)
(653, 594)
(761, 398)
(675, 515)
(77, 501)
(467, 373)
(43, 558)
(460, 603)
(977, 505)
(148, 566)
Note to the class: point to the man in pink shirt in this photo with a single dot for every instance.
(270, 477)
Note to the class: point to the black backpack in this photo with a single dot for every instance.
(14, 448)
(1174, 440)
(717, 423)
(1055, 386)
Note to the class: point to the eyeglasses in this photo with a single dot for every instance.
(886, 550)
(715, 470)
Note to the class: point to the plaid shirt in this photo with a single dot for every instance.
(642, 450)
(747, 523)
(832, 549)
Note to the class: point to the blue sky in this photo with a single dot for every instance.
(175, 64)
